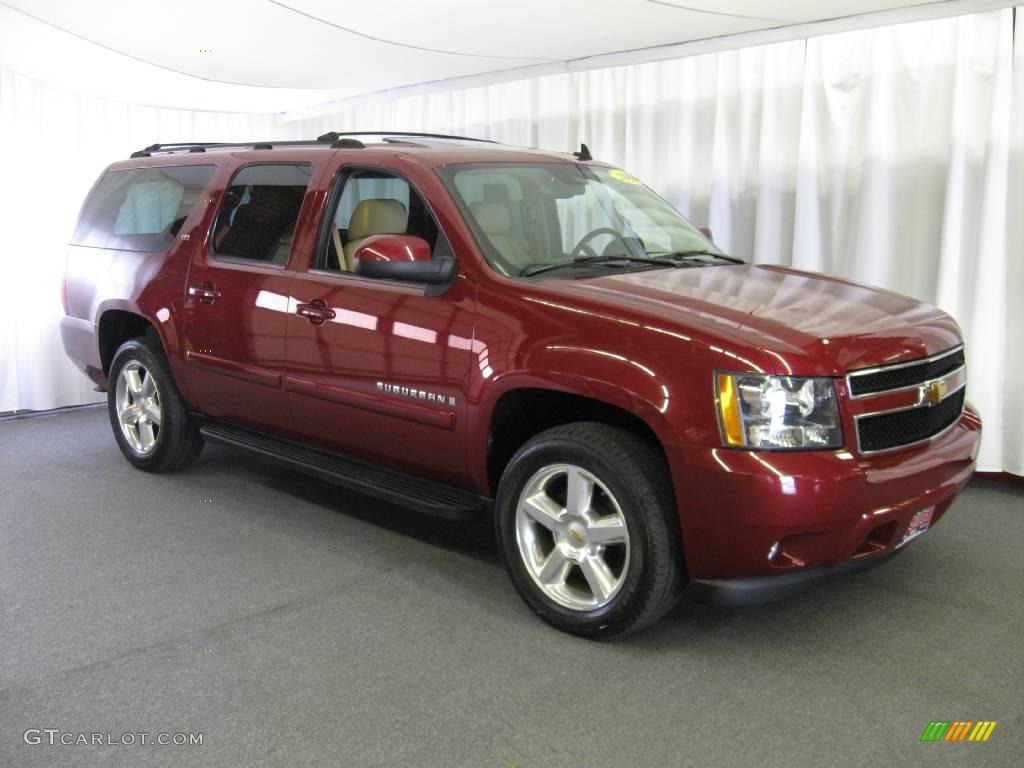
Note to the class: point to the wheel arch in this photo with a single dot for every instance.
(116, 326)
(549, 406)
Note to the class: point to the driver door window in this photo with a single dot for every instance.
(373, 203)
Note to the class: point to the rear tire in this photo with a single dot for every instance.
(150, 420)
(586, 526)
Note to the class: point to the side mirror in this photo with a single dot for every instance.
(401, 257)
(706, 231)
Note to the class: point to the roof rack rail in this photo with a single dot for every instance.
(336, 139)
(184, 146)
(202, 146)
(333, 136)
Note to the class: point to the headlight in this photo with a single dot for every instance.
(772, 412)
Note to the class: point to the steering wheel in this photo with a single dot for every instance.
(583, 246)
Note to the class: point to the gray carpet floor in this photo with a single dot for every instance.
(292, 623)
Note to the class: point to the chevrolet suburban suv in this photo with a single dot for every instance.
(470, 329)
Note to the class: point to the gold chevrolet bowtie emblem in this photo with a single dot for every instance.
(933, 392)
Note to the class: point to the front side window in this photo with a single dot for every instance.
(141, 209)
(374, 202)
(541, 217)
(259, 212)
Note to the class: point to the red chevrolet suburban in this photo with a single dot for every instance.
(470, 329)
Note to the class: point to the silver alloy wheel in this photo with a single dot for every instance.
(572, 537)
(137, 401)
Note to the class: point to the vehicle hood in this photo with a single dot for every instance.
(807, 324)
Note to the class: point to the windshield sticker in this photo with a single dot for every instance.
(624, 177)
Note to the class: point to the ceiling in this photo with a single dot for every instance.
(281, 55)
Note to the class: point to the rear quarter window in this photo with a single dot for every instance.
(141, 209)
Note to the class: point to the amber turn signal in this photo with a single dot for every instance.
(729, 410)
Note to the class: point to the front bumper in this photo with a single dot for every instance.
(765, 589)
(825, 509)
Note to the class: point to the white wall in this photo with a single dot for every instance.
(53, 145)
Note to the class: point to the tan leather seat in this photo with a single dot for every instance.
(495, 220)
(374, 217)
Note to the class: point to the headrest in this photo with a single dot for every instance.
(378, 217)
(493, 218)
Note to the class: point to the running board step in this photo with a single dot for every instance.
(387, 484)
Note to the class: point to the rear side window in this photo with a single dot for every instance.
(260, 210)
(141, 209)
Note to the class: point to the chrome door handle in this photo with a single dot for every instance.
(206, 293)
(316, 311)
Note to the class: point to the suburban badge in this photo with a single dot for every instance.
(417, 394)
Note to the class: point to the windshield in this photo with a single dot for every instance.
(535, 218)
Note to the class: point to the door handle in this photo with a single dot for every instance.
(206, 292)
(315, 311)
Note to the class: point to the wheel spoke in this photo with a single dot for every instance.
(607, 530)
(146, 435)
(543, 509)
(580, 491)
(152, 412)
(599, 577)
(128, 416)
(555, 568)
(148, 386)
(576, 536)
(131, 377)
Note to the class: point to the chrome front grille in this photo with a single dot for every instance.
(905, 375)
(934, 387)
(885, 431)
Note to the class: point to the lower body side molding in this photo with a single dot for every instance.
(389, 485)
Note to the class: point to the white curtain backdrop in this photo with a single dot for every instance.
(892, 156)
(53, 145)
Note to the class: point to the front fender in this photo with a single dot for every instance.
(644, 398)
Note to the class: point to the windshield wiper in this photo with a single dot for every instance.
(586, 261)
(696, 254)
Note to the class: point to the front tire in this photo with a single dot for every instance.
(150, 420)
(586, 529)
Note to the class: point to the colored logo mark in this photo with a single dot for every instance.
(958, 730)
